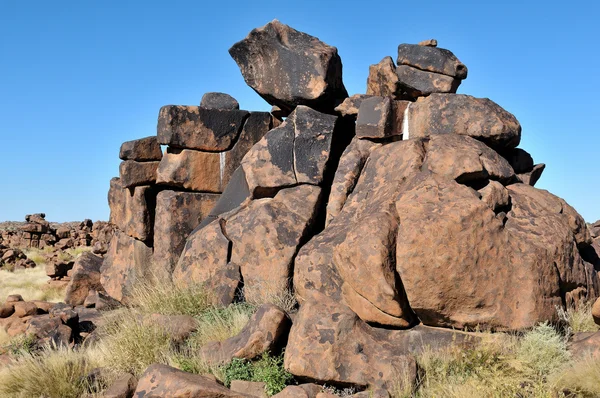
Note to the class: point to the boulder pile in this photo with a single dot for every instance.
(158, 199)
(12, 258)
(39, 233)
(399, 219)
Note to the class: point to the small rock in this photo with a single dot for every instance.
(123, 387)
(219, 101)
(596, 311)
(429, 43)
(253, 388)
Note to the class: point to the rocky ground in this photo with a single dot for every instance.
(388, 244)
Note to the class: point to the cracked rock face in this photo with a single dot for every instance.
(290, 68)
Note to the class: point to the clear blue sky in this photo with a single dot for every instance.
(77, 78)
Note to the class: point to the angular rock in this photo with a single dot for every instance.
(429, 43)
(132, 210)
(519, 159)
(266, 331)
(189, 169)
(349, 168)
(126, 263)
(134, 173)
(23, 309)
(533, 176)
(141, 150)
(351, 105)
(177, 214)
(479, 118)
(432, 59)
(308, 390)
(122, 387)
(269, 231)
(296, 152)
(290, 68)
(219, 101)
(417, 83)
(257, 125)
(85, 278)
(375, 118)
(383, 80)
(47, 329)
(159, 381)
(495, 196)
(194, 127)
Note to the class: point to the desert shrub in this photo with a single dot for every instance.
(578, 319)
(20, 344)
(579, 379)
(169, 299)
(268, 369)
(130, 345)
(54, 373)
(543, 349)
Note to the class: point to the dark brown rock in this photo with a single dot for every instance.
(134, 173)
(177, 214)
(48, 329)
(290, 68)
(126, 262)
(375, 118)
(432, 59)
(193, 170)
(219, 101)
(194, 127)
(519, 159)
(479, 118)
(533, 176)
(85, 277)
(351, 105)
(383, 80)
(141, 150)
(6, 310)
(159, 381)
(296, 152)
(132, 209)
(417, 83)
(266, 331)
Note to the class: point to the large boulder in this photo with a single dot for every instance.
(128, 261)
(177, 214)
(85, 277)
(133, 173)
(480, 118)
(290, 68)
(432, 59)
(219, 101)
(195, 127)
(132, 209)
(143, 149)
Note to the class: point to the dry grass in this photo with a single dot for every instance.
(579, 379)
(31, 283)
(277, 294)
(53, 373)
(169, 299)
(580, 319)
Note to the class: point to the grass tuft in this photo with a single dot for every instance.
(169, 299)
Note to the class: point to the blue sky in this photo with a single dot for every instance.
(77, 78)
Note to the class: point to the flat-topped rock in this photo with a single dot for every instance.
(195, 127)
(432, 59)
(144, 149)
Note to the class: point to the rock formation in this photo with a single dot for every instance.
(400, 218)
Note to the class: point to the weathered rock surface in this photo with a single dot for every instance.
(418, 83)
(177, 214)
(252, 388)
(195, 127)
(295, 152)
(266, 331)
(189, 169)
(219, 101)
(134, 173)
(465, 115)
(531, 177)
(433, 59)
(290, 68)
(84, 278)
(383, 80)
(127, 261)
(351, 105)
(132, 209)
(141, 150)
(123, 387)
(160, 381)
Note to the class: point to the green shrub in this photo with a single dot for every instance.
(21, 344)
(268, 369)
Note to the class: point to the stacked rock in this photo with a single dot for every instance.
(398, 217)
(159, 199)
(13, 258)
(37, 232)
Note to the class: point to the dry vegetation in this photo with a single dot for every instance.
(535, 364)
